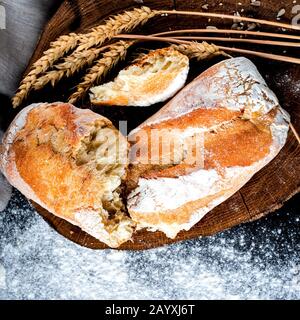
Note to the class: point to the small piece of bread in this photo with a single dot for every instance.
(239, 127)
(154, 78)
(71, 162)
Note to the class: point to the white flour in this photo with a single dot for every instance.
(287, 81)
(258, 260)
(2, 277)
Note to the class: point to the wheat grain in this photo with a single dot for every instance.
(110, 58)
(199, 51)
(57, 49)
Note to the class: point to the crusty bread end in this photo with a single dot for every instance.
(154, 78)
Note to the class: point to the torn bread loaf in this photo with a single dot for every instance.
(71, 162)
(193, 154)
(240, 128)
(154, 78)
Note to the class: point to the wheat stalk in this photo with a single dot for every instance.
(110, 58)
(199, 50)
(230, 31)
(57, 49)
(85, 54)
(294, 131)
(124, 22)
(261, 54)
(231, 17)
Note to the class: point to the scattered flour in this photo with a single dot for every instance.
(2, 277)
(254, 261)
(286, 80)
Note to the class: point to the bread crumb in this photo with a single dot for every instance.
(251, 26)
(255, 3)
(211, 27)
(234, 26)
(280, 13)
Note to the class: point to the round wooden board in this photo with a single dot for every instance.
(267, 190)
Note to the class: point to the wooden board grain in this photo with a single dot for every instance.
(266, 191)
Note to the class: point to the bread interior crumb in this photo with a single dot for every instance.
(104, 151)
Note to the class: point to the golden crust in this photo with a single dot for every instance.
(243, 128)
(240, 145)
(181, 215)
(44, 155)
(205, 118)
(53, 157)
(52, 161)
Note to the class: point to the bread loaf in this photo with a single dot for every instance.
(71, 162)
(240, 128)
(154, 78)
(193, 154)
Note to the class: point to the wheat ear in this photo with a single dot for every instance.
(72, 64)
(85, 54)
(110, 58)
(199, 50)
(57, 49)
(124, 22)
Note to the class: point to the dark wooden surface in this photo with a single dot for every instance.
(267, 190)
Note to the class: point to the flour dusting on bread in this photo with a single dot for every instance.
(72, 162)
(244, 128)
(154, 78)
